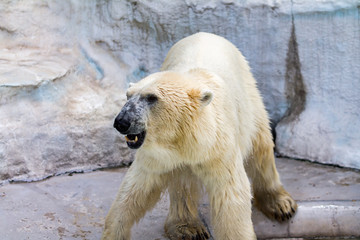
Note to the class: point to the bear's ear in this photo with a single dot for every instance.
(206, 96)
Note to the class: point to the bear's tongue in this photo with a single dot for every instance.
(131, 138)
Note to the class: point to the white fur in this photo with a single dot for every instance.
(208, 125)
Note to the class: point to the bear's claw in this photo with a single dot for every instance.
(277, 205)
(187, 231)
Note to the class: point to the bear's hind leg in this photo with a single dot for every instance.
(183, 220)
(269, 195)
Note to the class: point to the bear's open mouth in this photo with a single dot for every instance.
(134, 141)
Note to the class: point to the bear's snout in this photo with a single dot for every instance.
(122, 124)
(130, 123)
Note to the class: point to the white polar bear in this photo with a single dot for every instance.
(200, 121)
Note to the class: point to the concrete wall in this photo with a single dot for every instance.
(64, 67)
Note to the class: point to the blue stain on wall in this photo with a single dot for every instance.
(99, 71)
(138, 74)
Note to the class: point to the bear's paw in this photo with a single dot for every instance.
(187, 231)
(278, 204)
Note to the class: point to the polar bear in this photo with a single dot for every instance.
(199, 122)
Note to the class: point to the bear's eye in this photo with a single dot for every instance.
(151, 98)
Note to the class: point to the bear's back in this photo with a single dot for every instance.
(210, 52)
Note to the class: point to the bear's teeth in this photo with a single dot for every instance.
(132, 141)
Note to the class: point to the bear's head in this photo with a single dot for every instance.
(163, 108)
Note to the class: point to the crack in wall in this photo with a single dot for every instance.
(294, 84)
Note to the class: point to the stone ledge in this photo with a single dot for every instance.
(314, 219)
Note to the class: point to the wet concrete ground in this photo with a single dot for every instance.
(74, 207)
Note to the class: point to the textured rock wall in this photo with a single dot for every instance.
(58, 94)
(64, 67)
(327, 127)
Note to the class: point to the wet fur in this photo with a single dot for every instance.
(196, 138)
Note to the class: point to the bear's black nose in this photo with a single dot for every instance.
(122, 125)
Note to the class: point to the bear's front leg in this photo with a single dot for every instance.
(183, 221)
(138, 193)
(230, 199)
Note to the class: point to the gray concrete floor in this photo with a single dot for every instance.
(74, 207)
